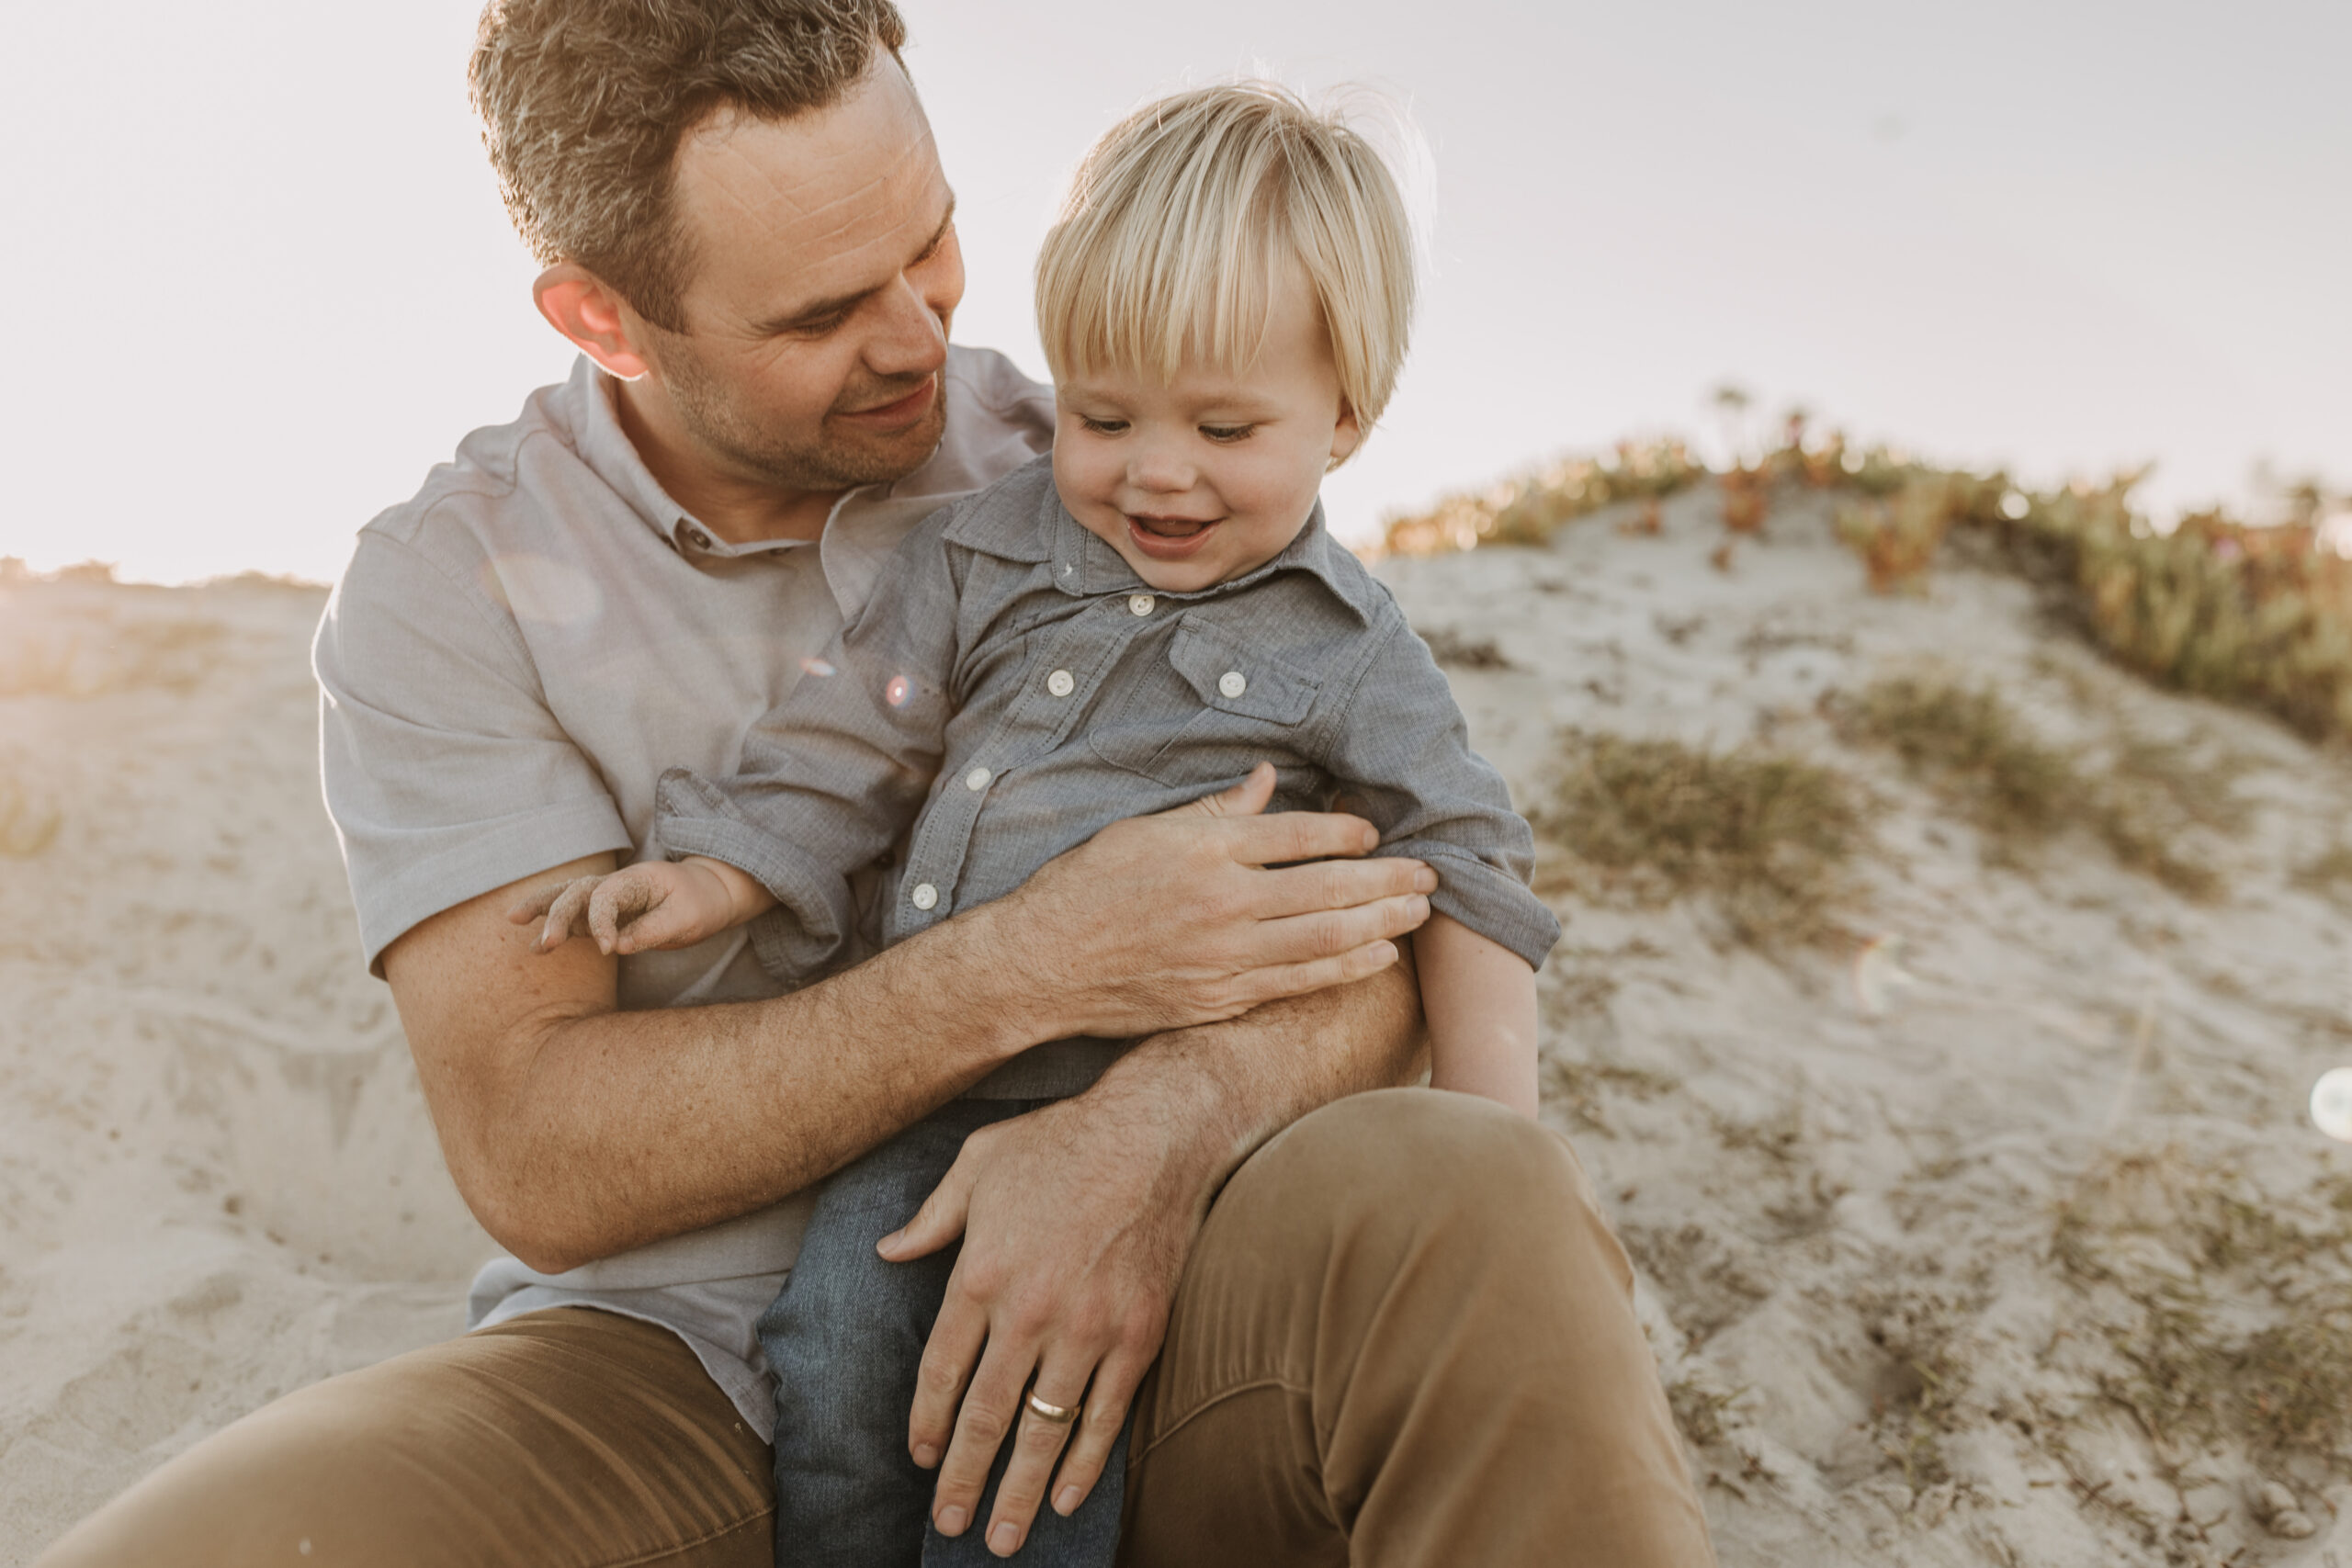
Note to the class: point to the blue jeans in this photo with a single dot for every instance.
(844, 1340)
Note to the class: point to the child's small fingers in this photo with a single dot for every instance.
(564, 913)
(620, 899)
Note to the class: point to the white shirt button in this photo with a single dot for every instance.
(924, 896)
(1061, 683)
(1232, 684)
(1140, 604)
(978, 780)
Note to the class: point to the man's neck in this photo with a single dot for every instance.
(738, 509)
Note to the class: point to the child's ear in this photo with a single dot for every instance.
(1346, 435)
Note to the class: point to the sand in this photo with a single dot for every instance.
(1897, 1246)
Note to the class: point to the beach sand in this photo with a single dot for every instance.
(1982, 1261)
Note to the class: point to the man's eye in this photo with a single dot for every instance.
(820, 326)
(1226, 435)
(1104, 426)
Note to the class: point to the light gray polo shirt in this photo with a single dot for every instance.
(511, 659)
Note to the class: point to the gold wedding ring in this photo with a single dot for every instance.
(1060, 1416)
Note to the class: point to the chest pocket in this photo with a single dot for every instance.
(1206, 712)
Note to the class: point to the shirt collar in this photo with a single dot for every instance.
(605, 447)
(1084, 565)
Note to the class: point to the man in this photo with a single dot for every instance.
(1401, 1334)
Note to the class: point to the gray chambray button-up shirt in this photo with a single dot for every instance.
(1013, 679)
(510, 661)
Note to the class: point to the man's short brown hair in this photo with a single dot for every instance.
(583, 103)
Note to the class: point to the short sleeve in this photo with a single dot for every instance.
(444, 771)
(1402, 748)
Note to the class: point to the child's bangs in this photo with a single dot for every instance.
(1182, 267)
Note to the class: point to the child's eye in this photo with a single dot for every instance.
(1226, 435)
(1104, 426)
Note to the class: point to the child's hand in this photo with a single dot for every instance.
(652, 905)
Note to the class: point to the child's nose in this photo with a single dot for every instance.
(1157, 467)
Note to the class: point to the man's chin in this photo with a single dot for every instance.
(871, 457)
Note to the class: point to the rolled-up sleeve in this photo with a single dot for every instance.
(834, 776)
(1400, 746)
(444, 771)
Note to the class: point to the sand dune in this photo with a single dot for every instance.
(1933, 1268)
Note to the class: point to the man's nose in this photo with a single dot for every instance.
(912, 339)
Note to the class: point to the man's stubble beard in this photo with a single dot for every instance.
(711, 414)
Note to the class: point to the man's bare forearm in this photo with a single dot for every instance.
(577, 1131)
(1218, 1091)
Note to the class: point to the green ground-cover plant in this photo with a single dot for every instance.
(2256, 614)
(2138, 796)
(1769, 837)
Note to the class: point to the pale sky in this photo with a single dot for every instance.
(260, 281)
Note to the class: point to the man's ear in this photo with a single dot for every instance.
(1347, 435)
(584, 308)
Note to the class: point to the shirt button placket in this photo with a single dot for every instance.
(924, 896)
(1061, 682)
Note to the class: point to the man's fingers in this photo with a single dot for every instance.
(1115, 1382)
(1288, 836)
(948, 1357)
(1337, 884)
(938, 1222)
(982, 1423)
(1262, 986)
(1247, 799)
(1327, 933)
(1037, 1442)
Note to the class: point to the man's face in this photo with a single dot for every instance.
(823, 272)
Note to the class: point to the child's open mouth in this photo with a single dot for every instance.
(1169, 538)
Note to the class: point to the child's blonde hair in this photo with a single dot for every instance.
(1182, 222)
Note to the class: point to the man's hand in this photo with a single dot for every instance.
(1169, 921)
(1076, 1220)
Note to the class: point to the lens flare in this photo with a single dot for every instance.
(815, 666)
(2331, 1104)
(1879, 975)
(898, 691)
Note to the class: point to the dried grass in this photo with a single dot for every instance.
(1768, 837)
(93, 658)
(28, 823)
(2229, 1310)
(2144, 799)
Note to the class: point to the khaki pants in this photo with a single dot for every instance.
(1404, 1337)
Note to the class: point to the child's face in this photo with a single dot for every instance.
(1211, 477)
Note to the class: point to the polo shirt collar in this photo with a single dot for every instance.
(605, 447)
